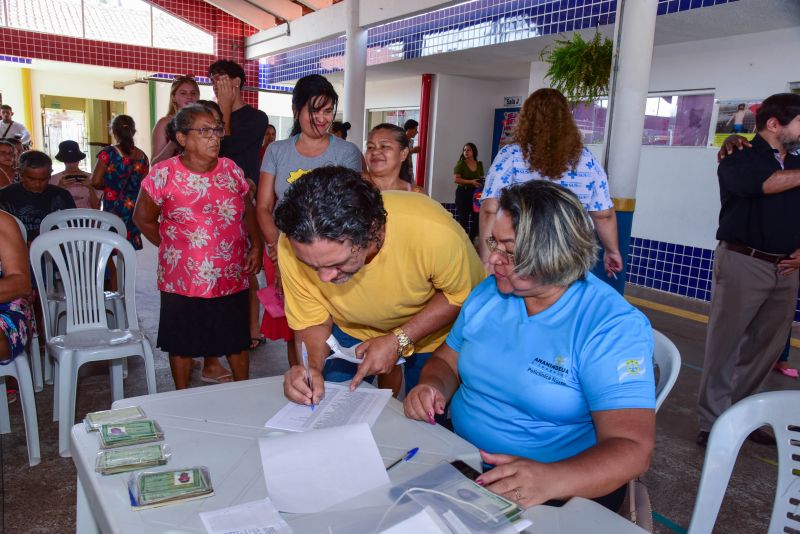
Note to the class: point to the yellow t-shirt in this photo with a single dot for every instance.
(425, 250)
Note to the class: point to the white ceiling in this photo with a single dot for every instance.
(512, 60)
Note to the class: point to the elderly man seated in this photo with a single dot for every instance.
(547, 369)
(386, 272)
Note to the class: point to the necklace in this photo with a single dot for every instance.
(10, 181)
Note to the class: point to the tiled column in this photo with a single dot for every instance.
(355, 74)
(630, 81)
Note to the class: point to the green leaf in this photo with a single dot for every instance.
(578, 68)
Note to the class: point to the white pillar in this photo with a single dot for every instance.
(636, 25)
(630, 80)
(536, 78)
(355, 74)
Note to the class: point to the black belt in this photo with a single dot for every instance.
(755, 253)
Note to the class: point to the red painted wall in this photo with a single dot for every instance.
(228, 30)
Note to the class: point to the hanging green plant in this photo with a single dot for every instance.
(578, 68)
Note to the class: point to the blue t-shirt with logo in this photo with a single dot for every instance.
(529, 385)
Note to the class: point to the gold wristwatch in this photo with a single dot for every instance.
(406, 346)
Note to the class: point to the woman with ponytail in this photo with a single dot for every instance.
(119, 172)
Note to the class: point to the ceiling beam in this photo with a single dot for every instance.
(246, 12)
(284, 9)
(316, 5)
(314, 27)
(331, 22)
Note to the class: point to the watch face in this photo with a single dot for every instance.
(408, 351)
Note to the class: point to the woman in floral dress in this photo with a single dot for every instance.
(193, 206)
(119, 172)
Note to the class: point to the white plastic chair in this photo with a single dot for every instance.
(81, 256)
(81, 218)
(668, 360)
(35, 356)
(777, 409)
(20, 369)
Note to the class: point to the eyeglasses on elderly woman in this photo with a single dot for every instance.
(492, 243)
(207, 133)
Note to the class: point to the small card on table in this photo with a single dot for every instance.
(151, 489)
(131, 433)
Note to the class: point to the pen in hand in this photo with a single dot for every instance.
(309, 382)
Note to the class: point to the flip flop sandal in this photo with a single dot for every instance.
(221, 379)
(256, 342)
(11, 396)
(787, 371)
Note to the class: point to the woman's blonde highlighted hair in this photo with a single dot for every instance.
(555, 240)
(176, 84)
(545, 131)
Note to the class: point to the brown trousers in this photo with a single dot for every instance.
(752, 307)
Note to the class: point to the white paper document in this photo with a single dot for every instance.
(257, 517)
(338, 407)
(312, 471)
(348, 353)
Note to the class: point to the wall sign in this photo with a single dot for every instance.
(512, 101)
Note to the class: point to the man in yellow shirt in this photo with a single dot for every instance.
(388, 272)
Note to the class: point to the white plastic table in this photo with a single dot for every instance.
(219, 427)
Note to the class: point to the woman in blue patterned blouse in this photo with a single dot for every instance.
(548, 146)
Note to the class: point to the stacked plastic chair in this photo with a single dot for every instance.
(79, 218)
(81, 256)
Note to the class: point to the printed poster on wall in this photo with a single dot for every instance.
(736, 116)
(504, 119)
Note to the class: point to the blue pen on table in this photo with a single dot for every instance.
(309, 383)
(409, 455)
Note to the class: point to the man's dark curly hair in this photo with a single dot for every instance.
(333, 203)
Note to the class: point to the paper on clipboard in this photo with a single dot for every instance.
(348, 353)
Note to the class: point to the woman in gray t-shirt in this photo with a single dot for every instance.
(310, 146)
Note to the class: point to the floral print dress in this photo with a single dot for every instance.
(122, 181)
(202, 229)
(15, 322)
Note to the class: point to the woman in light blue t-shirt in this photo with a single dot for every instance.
(548, 369)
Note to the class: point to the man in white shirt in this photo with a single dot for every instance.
(10, 129)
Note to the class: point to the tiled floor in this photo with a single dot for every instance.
(42, 499)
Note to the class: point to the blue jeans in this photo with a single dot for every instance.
(338, 370)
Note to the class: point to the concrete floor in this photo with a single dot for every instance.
(42, 499)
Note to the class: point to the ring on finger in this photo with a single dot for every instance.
(517, 495)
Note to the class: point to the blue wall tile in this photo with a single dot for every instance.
(679, 269)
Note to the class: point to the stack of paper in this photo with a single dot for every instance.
(339, 407)
(312, 471)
